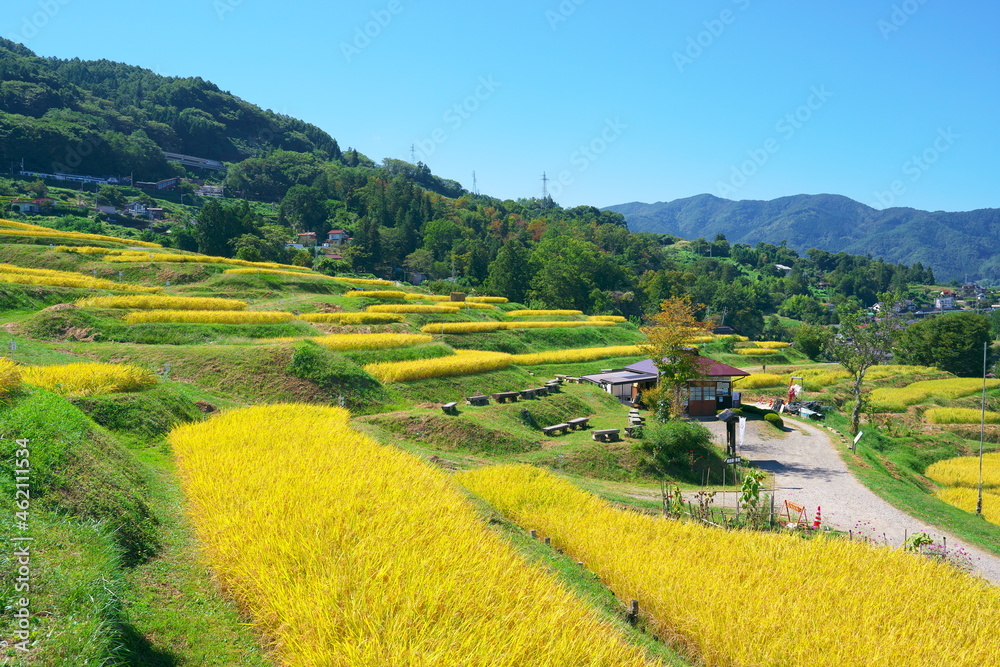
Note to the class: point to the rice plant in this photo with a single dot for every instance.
(607, 318)
(209, 316)
(529, 313)
(147, 302)
(376, 294)
(577, 355)
(372, 341)
(352, 318)
(892, 399)
(820, 602)
(353, 554)
(487, 299)
(89, 379)
(465, 362)
(10, 377)
(411, 308)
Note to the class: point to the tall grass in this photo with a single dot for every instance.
(209, 316)
(200, 259)
(24, 230)
(377, 294)
(411, 308)
(162, 302)
(353, 554)
(528, 313)
(959, 416)
(576, 356)
(10, 273)
(373, 341)
(746, 598)
(465, 362)
(897, 399)
(10, 377)
(352, 318)
(89, 379)
(487, 299)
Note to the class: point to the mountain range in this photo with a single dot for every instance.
(956, 245)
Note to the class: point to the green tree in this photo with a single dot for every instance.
(862, 342)
(670, 450)
(669, 347)
(952, 342)
(510, 273)
(219, 224)
(812, 340)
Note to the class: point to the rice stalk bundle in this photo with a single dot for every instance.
(530, 313)
(352, 318)
(354, 554)
(376, 294)
(157, 302)
(89, 379)
(487, 299)
(464, 362)
(209, 317)
(372, 341)
(577, 355)
(695, 582)
(411, 308)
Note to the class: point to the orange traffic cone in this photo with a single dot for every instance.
(818, 520)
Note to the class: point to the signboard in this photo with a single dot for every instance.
(742, 432)
(858, 436)
(732, 460)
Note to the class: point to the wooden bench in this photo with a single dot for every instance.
(504, 396)
(636, 421)
(528, 393)
(634, 431)
(477, 400)
(550, 388)
(551, 430)
(574, 380)
(606, 435)
(450, 408)
(579, 422)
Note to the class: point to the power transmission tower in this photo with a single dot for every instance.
(545, 186)
(413, 153)
(475, 186)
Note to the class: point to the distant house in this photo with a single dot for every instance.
(306, 238)
(337, 237)
(155, 213)
(944, 303)
(786, 269)
(107, 210)
(210, 191)
(723, 331)
(705, 396)
(32, 206)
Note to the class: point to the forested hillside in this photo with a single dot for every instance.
(957, 246)
(285, 176)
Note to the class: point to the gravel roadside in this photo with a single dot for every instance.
(808, 470)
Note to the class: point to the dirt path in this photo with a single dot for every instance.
(808, 470)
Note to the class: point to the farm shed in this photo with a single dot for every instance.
(705, 396)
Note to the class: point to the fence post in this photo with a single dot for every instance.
(633, 613)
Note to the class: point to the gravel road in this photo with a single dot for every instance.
(808, 471)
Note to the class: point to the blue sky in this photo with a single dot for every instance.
(887, 102)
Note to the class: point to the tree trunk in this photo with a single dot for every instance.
(856, 412)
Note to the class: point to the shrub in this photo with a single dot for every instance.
(774, 419)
